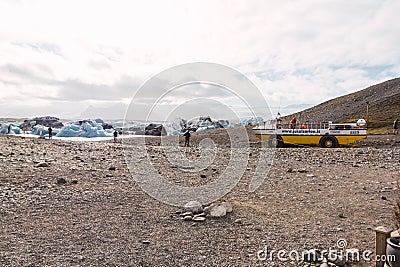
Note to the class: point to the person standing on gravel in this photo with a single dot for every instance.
(187, 137)
(396, 126)
(50, 130)
(115, 135)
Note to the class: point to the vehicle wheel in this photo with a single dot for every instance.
(275, 141)
(329, 142)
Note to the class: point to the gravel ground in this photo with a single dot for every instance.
(76, 204)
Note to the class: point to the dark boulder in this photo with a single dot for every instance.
(46, 121)
(155, 130)
(107, 126)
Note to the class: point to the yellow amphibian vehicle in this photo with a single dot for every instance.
(326, 134)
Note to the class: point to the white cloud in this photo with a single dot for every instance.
(69, 55)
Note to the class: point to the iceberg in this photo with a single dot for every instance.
(100, 121)
(37, 129)
(99, 128)
(250, 121)
(71, 130)
(199, 124)
(205, 128)
(88, 129)
(13, 130)
(175, 127)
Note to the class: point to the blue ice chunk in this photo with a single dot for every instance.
(71, 130)
(99, 121)
(37, 129)
(110, 131)
(14, 128)
(175, 133)
(205, 128)
(88, 129)
(248, 121)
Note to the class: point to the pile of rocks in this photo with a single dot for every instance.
(194, 211)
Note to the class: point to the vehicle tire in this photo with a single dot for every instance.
(329, 142)
(275, 141)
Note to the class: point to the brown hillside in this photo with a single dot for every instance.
(384, 106)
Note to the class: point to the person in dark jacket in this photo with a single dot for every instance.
(396, 126)
(50, 130)
(115, 135)
(187, 137)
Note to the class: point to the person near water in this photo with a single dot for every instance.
(50, 130)
(9, 129)
(396, 126)
(115, 135)
(187, 137)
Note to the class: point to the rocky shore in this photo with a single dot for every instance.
(66, 203)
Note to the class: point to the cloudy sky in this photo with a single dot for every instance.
(87, 58)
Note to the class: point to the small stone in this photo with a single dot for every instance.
(200, 215)
(218, 211)
(112, 168)
(342, 216)
(203, 176)
(188, 213)
(383, 198)
(42, 165)
(302, 171)
(146, 242)
(228, 206)
(109, 175)
(193, 206)
(238, 221)
(187, 218)
(61, 181)
(199, 219)
(74, 181)
(290, 170)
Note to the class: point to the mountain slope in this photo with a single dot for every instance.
(384, 106)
